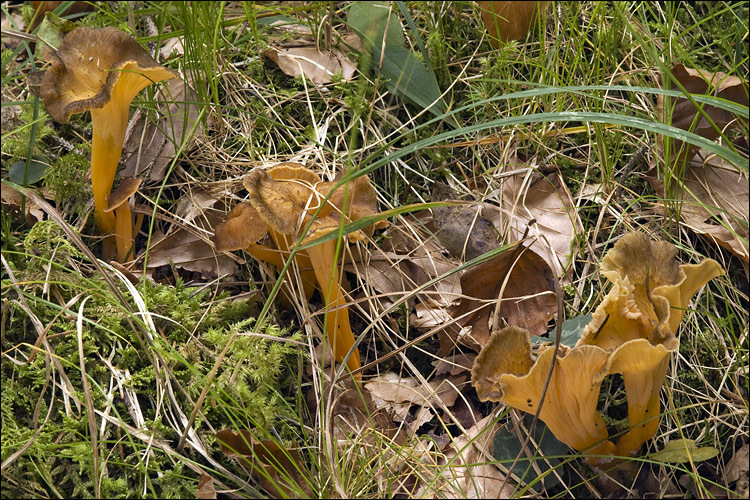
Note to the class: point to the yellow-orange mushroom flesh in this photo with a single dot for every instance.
(101, 70)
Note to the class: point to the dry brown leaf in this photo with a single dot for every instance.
(150, 147)
(171, 46)
(467, 470)
(12, 202)
(530, 195)
(319, 66)
(715, 199)
(280, 465)
(528, 299)
(454, 364)
(185, 249)
(395, 389)
(738, 467)
(206, 489)
(695, 81)
(713, 194)
(509, 20)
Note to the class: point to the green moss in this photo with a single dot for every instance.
(191, 331)
(68, 180)
(17, 142)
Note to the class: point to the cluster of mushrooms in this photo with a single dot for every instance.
(293, 206)
(632, 332)
(101, 70)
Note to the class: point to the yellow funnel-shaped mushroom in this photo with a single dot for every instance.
(282, 201)
(649, 295)
(100, 70)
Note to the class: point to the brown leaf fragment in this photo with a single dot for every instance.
(150, 146)
(280, 476)
(508, 21)
(320, 66)
(206, 488)
(545, 199)
(525, 286)
(393, 388)
(685, 115)
(454, 364)
(467, 470)
(12, 202)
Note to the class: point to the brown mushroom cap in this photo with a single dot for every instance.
(287, 194)
(242, 227)
(87, 66)
(127, 188)
(507, 351)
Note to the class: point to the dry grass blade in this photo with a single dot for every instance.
(90, 415)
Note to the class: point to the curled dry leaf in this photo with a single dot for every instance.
(150, 146)
(282, 477)
(320, 66)
(508, 21)
(523, 285)
(546, 199)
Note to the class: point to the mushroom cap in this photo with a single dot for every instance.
(507, 351)
(127, 188)
(287, 195)
(649, 294)
(569, 408)
(88, 65)
(242, 227)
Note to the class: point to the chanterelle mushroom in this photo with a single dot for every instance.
(649, 295)
(504, 371)
(286, 197)
(101, 70)
(119, 202)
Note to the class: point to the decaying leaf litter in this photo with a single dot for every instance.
(436, 284)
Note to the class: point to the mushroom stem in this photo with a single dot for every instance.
(108, 125)
(642, 390)
(338, 328)
(123, 231)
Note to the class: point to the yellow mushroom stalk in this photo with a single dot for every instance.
(282, 202)
(100, 70)
(125, 229)
(338, 328)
